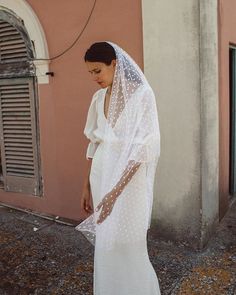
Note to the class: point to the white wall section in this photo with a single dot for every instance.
(183, 74)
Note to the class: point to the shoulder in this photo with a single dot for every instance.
(145, 92)
(98, 95)
(95, 98)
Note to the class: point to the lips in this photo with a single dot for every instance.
(102, 84)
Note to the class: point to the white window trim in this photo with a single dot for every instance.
(36, 33)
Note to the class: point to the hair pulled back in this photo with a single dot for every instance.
(100, 52)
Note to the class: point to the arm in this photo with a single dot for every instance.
(86, 200)
(110, 198)
(125, 178)
(90, 126)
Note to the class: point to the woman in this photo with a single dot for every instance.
(123, 129)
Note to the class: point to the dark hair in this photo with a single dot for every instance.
(100, 52)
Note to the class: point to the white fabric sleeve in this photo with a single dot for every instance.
(91, 149)
(90, 126)
(146, 143)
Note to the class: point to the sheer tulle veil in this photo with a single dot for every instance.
(131, 136)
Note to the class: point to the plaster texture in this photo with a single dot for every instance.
(180, 72)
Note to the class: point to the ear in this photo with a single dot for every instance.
(113, 62)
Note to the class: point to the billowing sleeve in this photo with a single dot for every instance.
(90, 126)
(146, 143)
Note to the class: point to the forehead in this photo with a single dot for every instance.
(94, 65)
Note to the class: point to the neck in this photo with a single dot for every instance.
(109, 89)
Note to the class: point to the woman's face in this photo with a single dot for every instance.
(101, 73)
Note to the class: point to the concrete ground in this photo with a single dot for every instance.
(43, 256)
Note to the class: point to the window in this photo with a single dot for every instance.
(19, 128)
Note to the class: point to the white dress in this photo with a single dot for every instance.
(126, 269)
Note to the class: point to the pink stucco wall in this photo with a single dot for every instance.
(65, 100)
(227, 35)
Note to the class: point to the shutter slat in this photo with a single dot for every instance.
(19, 158)
(17, 113)
(12, 120)
(10, 114)
(19, 109)
(15, 104)
(20, 170)
(18, 144)
(9, 38)
(4, 25)
(17, 132)
(18, 141)
(27, 158)
(9, 32)
(15, 95)
(20, 174)
(17, 137)
(24, 96)
(14, 87)
(10, 59)
(12, 50)
(15, 116)
(16, 100)
(16, 127)
(12, 43)
(19, 153)
(6, 28)
(17, 123)
(19, 150)
(17, 164)
(21, 92)
(13, 55)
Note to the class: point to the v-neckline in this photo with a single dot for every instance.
(103, 106)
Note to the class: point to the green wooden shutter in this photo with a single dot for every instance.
(19, 149)
(232, 120)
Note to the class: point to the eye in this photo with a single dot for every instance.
(97, 71)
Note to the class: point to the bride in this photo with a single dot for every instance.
(122, 126)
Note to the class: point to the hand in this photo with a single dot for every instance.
(107, 205)
(86, 201)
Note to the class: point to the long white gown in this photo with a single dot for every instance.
(126, 269)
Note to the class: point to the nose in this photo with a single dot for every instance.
(95, 77)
